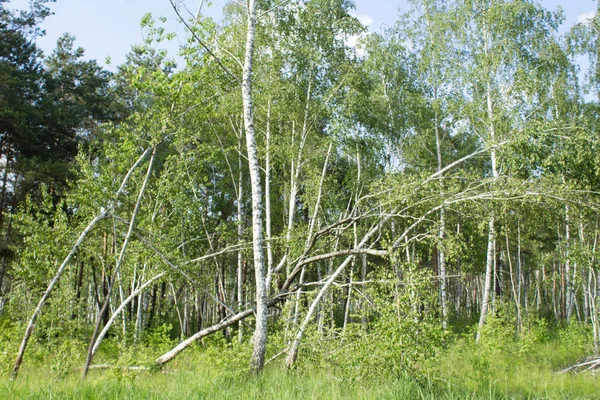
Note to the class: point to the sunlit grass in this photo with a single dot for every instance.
(495, 369)
(200, 383)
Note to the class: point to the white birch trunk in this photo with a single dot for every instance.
(441, 234)
(119, 260)
(489, 267)
(46, 295)
(118, 311)
(240, 232)
(569, 284)
(268, 201)
(260, 333)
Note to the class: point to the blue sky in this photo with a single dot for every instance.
(108, 28)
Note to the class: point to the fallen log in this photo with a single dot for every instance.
(171, 354)
(586, 365)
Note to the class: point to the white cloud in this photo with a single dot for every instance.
(352, 40)
(365, 20)
(586, 17)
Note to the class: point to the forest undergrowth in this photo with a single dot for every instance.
(500, 367)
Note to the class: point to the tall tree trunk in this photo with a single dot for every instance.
(260, 333)
(569, 283)
(268, 200)
(311, 227)
(594, 291)
(240, 233)
(363, 319)
(514, 287)
(442, 228)
(490, 260)
(488, 279)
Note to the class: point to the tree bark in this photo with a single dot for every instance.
(268, 200)
(240, 233)
(260, 333)
(490, 261)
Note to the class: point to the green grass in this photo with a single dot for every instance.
(499, 368)
(457, 378)
(203, 383)
(512, 374)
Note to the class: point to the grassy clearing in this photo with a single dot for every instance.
(460, 373)
(498, 368)
(204, 383)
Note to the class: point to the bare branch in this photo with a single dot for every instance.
(201, 42)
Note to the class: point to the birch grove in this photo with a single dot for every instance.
(440, 175)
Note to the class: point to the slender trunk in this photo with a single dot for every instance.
(442, 268)
(442, 228)
(78, 284)
(597, 313)
(569, 282)
(240, 233)
(555, 307)
(587, 297)
(260, 333)
(311, 227)
(363, 310)
(320, 312)
(122, 298)
(222, 295)
(118, 311)
(459, 281)
(185, 329)
(53, 282)
(488, 279)
(514, 288)
(491, 234)
(291, 206)
(268, 201)
(295, 170)
(348, 303)
(519, 264)
(139, 311)
(585, 286)
(119, 262)
(293, 350)
(594, 298)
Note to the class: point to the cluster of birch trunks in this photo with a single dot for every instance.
(321, 258)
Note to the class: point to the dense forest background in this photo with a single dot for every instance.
(285, 195)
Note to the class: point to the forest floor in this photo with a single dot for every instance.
(492, 371)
